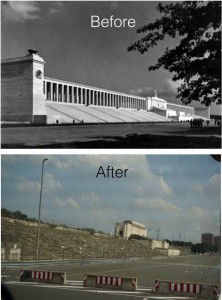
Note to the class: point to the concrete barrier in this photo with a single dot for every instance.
(110, 282)
(197, 290)
(173, 252)
(43, 276)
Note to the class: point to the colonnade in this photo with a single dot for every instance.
(62, 92)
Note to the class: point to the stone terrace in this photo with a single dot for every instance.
(58, 242)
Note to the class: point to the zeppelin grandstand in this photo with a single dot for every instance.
(29, 97)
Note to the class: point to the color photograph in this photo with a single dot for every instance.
(111, 226)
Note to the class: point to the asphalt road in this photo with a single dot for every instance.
(69, 136)
(196, 269)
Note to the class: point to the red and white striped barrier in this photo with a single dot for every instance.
(187, 289)
(110, 282)
(43, 276)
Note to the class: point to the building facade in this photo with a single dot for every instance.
(28, 96)
(207, 238)
(129, 227)
(217, 242)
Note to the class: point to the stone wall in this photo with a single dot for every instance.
(22, 97)
(180, 108)
(10, 252)
(203, 112)
(16, 94)
(125, 229)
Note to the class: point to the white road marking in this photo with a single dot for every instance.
(166, 297)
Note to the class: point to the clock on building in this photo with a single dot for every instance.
(38, 74)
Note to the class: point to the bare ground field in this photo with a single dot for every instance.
(97, 136)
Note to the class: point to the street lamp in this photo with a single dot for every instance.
(40, 202)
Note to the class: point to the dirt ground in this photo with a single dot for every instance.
(112, 136)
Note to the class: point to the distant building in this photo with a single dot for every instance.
(128, 227)
(217, 242)
(207, 238)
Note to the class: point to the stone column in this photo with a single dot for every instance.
(77, 95)
(50, 89)
(46, 90)
(62, 93)
(72, 93)
(67, 93)
(106, 99)
(81, 96)
(57, 92)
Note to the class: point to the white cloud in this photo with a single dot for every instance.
(59, 202)
(198, 189)
(61, 162)
(56, 7)
(20, 11)
(166, 189)
(73, 203)
(25, 185)
(154, 186)
(146, 91)
(215, 181)
(155, 204)
(199, 211)
(50, 183)
(67, 203)
(89, 196)
(167, 89)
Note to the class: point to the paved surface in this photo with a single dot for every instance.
(82, 136)
(195, 269)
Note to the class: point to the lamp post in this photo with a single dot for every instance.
(40, 202)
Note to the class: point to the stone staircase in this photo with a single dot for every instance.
(79, 113)
(60, 242)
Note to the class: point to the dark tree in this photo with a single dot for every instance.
(197, 59)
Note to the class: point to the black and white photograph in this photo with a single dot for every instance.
(111, 74)
(111, 226)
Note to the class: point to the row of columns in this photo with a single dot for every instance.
(63, 93)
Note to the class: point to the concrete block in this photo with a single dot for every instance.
(187, 289)
(110, 282)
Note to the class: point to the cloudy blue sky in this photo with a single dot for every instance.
(75, 52)
(179, 194)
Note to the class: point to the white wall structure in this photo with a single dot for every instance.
(22, 97)
(128, 227)
(10, 252)
(28, 96)
(173, 252)
(154, 244)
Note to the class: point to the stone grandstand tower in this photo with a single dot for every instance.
(128, 227)
(22, 95)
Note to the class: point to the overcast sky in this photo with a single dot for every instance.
(75, 52)
(179, 194)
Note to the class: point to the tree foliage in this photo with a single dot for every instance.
(197, 59)
(16, 215)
